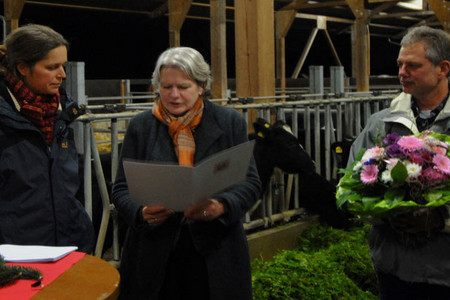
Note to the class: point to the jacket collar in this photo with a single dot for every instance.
(402, 113)
(208, 131)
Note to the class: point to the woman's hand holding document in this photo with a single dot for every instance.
(153, 183)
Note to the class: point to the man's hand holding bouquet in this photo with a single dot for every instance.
(403, 182)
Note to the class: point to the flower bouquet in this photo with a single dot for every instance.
(403, 174)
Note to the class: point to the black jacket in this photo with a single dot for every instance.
(222, 241)
(38, 186)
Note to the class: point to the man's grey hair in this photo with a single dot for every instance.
(437, 42)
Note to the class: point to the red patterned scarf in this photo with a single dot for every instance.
(40, 110)
(180, 129)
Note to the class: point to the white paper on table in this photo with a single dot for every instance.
(177, 187)
(34, 254)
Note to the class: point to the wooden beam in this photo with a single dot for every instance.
(296, 5)
(378, 1)
(442, 10)
(255, 50)
(361, 55)
(360, 45)
(218, 48)
(332, 48)
(293, 5)
(12, 10)
(381, 8)
(157, 12)
(177, 14)
(305, 52)
(283, 22)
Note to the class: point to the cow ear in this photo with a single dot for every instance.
(262, 128)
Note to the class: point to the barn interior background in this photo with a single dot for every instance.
(261, 53)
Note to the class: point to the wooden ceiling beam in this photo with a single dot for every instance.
(381, 8)
(12, 10)
(297, 5)
(442, 10)
(403, 14)
(178, 11)
(293, 5)
(157, 12)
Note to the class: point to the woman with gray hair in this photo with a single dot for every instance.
(201, 253)
(38, 159)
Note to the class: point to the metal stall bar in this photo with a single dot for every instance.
(114, 166)
(103, 193)
(87, 169)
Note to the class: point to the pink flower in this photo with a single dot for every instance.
(369, 174)
(410, 143)
(442, 163)
(375, 153)
(430, 174)
(440, 150)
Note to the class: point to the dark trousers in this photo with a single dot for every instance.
(392, 288)
(187, 276)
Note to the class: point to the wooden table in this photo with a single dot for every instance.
(89, 278)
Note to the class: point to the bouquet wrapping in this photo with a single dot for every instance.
(403, 174)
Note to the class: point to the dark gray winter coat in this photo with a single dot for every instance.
(222, 241)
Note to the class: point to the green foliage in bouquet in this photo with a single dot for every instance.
(328, 264)
(403, 174)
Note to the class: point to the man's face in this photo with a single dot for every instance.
(418, 76)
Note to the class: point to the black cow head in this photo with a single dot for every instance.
(276, 146)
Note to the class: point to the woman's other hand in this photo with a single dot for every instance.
(156, 215)
(206, 210)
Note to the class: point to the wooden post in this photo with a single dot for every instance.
(283, 22)
(218, 49)
(360, 45)
(255, 50)
(12, 10)
(177, 14)
(442, 12)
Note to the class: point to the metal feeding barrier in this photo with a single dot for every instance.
(317, 119)
(321, 122)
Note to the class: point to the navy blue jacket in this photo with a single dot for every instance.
(38, 186)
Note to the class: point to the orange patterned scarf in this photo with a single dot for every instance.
(180, 129)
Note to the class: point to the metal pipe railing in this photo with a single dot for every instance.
(323, 118)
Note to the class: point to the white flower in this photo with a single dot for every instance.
(413, 170)
(390, 163)
(386, 176)
(375, 153)
(357, 166)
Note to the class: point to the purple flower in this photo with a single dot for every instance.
(394, 151)
(391, 139)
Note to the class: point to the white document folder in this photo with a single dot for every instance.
(177, 187)
(34, 254)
